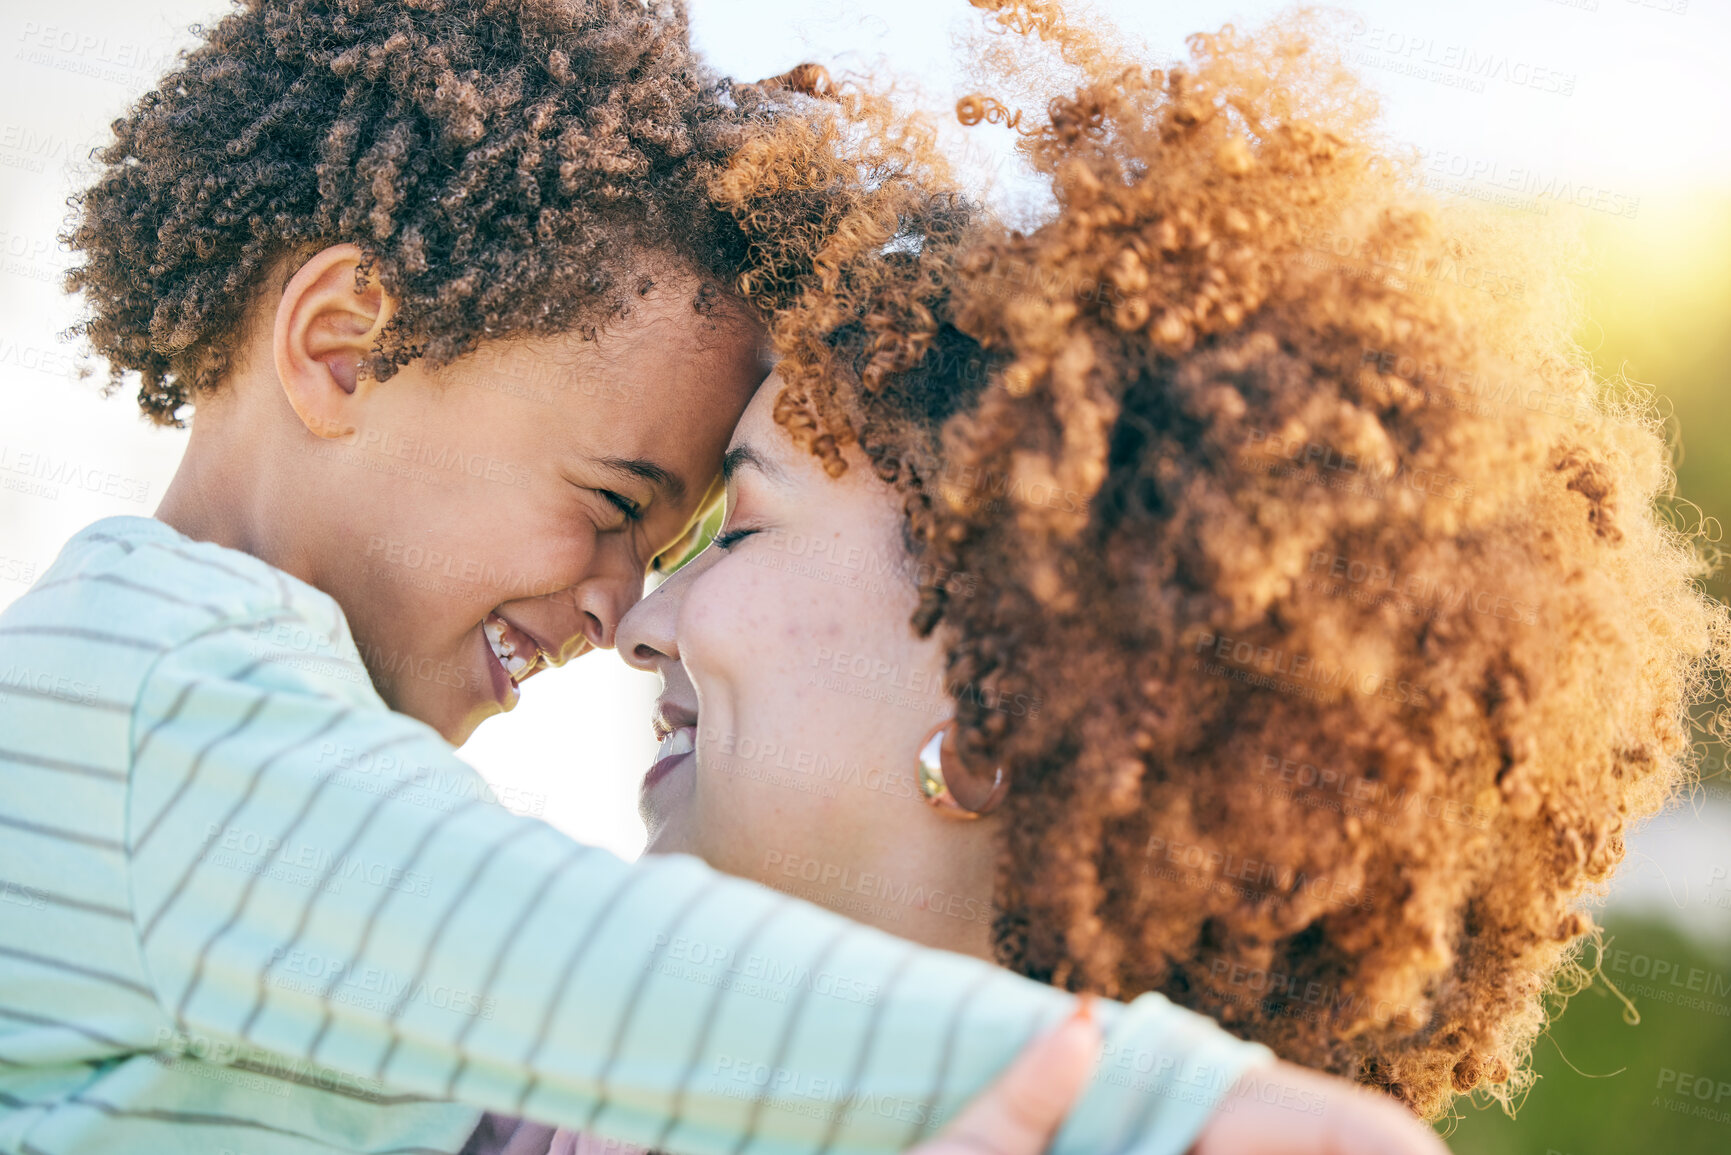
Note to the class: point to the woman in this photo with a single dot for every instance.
(1290, 610)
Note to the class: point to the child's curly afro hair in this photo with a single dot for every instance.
(504, 165)
(1360, 635)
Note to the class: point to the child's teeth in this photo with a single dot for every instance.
(503, 650)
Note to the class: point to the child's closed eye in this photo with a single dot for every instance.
(612, 511)
(632, 511)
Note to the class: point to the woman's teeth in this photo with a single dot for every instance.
(504, 649)
(681, 741)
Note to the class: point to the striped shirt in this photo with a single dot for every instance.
(247, 908)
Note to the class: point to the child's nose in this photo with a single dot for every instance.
(583, 618)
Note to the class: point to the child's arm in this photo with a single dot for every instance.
(325, 880)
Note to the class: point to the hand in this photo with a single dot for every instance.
(1268, 1112)
(1020, 1112)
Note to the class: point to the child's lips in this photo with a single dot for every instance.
(518, 655)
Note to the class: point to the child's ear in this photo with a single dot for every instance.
(324, 331)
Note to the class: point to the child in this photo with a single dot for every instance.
(439, 277)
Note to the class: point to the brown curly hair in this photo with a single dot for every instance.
(504, 165)
(1359, 630)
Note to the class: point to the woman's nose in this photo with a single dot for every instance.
(648, 633)
(645, 634)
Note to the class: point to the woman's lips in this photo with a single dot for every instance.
(680, 744)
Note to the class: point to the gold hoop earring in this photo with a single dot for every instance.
(936, 789)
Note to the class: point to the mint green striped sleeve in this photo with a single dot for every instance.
(298, 886)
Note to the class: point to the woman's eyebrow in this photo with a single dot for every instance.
(743, 456)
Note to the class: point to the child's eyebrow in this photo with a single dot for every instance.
(670, 484)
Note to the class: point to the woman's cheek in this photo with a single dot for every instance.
(751, 623)
(720, 622)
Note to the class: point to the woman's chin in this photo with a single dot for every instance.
(666, 812)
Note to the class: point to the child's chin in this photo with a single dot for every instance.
(464, 727)
(454, 713)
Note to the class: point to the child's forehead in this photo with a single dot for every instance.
(665, 381)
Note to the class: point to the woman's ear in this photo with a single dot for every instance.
(325, 329)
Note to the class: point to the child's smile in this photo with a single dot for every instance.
(519, 655)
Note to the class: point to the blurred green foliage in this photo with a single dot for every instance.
(1607, 1087)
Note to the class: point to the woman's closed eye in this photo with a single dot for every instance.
(726, 539)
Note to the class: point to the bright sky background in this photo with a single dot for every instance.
(1647, 118)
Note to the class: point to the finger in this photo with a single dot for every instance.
(1283, 1109)
(1023, 1108)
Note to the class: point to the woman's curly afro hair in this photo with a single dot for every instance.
(504, 165)
(1360, 637)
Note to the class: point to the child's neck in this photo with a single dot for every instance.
(216, 492)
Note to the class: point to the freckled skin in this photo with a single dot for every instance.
(751, 634)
